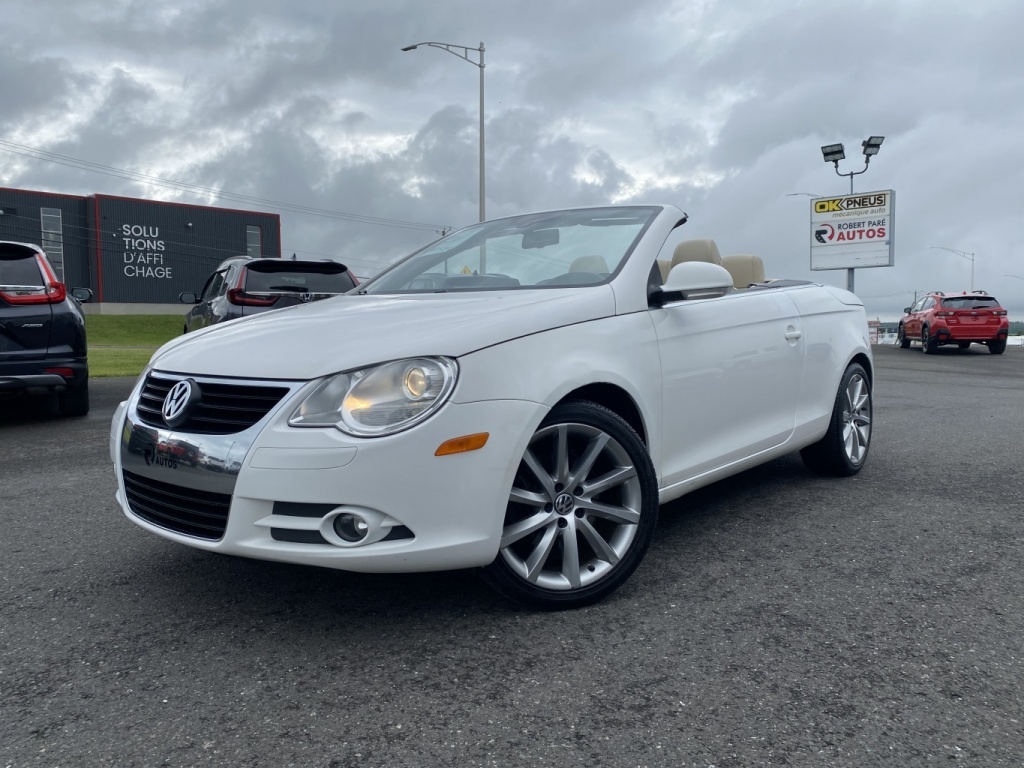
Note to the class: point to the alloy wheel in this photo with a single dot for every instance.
(574, 509)
(857, 419)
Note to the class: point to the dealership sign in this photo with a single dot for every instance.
(853, 230)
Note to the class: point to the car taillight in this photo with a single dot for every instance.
(999, 312)
(945, 314)
(240, 298)
(17, 294)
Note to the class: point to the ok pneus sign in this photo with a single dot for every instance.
(852, 231)
(144, 252)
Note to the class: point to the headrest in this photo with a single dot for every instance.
(665, 267)
(696, 250)
(746, 269)
(595, 264)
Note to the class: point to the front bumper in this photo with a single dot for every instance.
(281, 486)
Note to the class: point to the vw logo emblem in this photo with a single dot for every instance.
(564, 504)
(176, 404)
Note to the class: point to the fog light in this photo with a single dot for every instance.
(351, 528)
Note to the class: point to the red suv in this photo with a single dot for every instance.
(961, 319)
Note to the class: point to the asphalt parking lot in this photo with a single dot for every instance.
(779, 619)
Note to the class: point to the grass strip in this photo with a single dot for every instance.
(121, 345)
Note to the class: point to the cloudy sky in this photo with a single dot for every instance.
(717, 107)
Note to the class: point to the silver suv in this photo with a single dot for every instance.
(243, 286)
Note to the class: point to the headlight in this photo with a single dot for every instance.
(381, 400)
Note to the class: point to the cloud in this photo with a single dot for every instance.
(717, 107)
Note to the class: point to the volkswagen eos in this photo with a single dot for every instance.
(520, 395)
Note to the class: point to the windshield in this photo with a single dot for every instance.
(542, 250)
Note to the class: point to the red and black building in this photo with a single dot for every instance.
(129, 250)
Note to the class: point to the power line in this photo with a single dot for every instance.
(106, 170)
(85, 238)
(889, 295)
(26, 228)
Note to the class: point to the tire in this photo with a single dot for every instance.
(901, 337)
(964, 344)
(928, 343)
(581, 514)
(74, 401)
(844, 448)
(997, 347)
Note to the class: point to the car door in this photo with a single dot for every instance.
(221, 306)
(912, 322)
(924, 315)
(203, 313)
(25, 311)
(731, 370)
(908, 320)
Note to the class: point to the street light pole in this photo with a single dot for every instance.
(833, 153)
(454, 50)
(963, 255)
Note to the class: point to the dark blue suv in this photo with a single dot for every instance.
(42, 330)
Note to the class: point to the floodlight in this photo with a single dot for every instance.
(833, 153)
(871, 145)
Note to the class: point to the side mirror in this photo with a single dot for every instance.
(696, 280)
(906, 310)
(82, 294)
(188, 297)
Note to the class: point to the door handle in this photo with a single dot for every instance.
(793, 335)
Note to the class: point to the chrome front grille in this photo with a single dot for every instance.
(224, 409)
(192, 512)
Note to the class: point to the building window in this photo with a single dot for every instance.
(253, 242)
(53, 239)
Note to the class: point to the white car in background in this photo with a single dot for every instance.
(520, 395)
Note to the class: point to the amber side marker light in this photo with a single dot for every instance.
(462, 444)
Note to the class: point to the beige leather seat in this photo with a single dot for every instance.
(745, 268)
(665, 267)
(691, 250)
(696, 250)
(595, 264)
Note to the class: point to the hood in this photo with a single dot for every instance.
(354, 331)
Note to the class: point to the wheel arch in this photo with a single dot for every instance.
(865, 362)
(614, 398)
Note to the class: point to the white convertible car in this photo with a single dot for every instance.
(520, 395)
